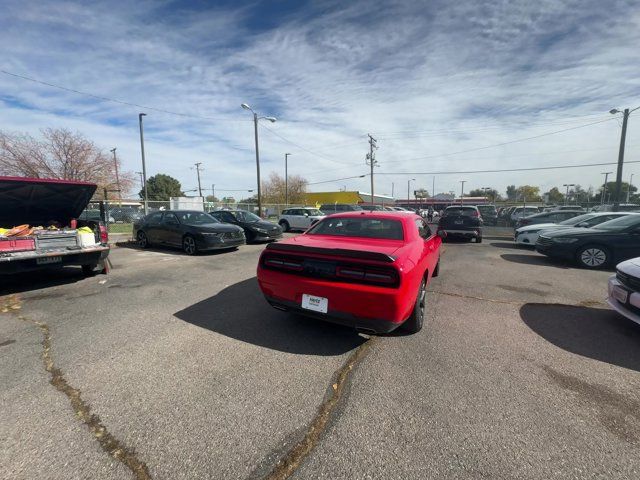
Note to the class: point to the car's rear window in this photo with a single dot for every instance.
(460, 211)
(359, 227)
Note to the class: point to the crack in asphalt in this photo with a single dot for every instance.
(460, 295)
(107, 441)
(583, 303)
(289, 463)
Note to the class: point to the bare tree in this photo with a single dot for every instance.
(273, 189)
(61, 154)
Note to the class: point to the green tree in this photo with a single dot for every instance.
(253, 200)
(160, 187)
(512, 192)
(211, 198)
(528, 193)
(492, 194)
(611, 191)
(421, 193)
(555, 195)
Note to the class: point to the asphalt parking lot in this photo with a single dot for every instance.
(174, 367)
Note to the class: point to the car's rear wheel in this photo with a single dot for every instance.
(416, 319)
(189, 245)
(479, 239)
(593, 256)
(285, 225)
(143, 241)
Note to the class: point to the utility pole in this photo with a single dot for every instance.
(213, 191)
(462, 190)
(197, 164)
(629, 187)
(141, 181)
(566, 197)
(371, 161)
(604, 188)
(144, 167)
(286, 180)
(623, 136)
(433, 187)
(393, 189)
(115, 164)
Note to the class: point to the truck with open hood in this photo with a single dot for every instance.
(40, 226)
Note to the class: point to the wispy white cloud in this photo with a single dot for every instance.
(461, 75)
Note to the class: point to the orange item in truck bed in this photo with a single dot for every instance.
(18, 231)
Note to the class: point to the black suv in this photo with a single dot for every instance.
(462, 221)
(330, 208)
(489, 214)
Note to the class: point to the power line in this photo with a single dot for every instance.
(503, 143)
(408, 133)
(114, 100)
(528, 169)
(273, 132)
(339, 179)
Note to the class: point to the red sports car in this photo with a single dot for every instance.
(364, 269)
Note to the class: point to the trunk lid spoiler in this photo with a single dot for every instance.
(338, 252)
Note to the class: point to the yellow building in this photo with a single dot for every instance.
(353, 198)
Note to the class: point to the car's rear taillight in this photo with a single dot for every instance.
(283, 263)
(350, 272)
(104, 234)
(336, 271)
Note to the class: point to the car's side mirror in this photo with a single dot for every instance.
(442, 234)
(306, 214)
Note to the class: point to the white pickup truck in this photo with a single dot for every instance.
(44, 203)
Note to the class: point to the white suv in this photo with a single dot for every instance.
(299, 218)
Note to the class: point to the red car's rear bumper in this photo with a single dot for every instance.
(365, 307)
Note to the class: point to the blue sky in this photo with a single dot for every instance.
(425, 78)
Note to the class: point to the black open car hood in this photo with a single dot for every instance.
(37, 201)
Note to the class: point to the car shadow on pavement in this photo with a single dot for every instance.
(173, 250)
(240, 312)
(596, 333)
(534, 259)
(28, 281)
(511, 246)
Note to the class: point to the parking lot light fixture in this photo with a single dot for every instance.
(408, 190)
(255, 131)
(566, 197)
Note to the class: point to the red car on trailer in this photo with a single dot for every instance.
(368, 270)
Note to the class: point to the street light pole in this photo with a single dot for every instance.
(144, 167)
(462, 190)
(629, 187)
(115, 164)
(255, 130)
(604, 188)
(286, 180)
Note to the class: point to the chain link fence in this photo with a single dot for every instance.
(121, 214)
